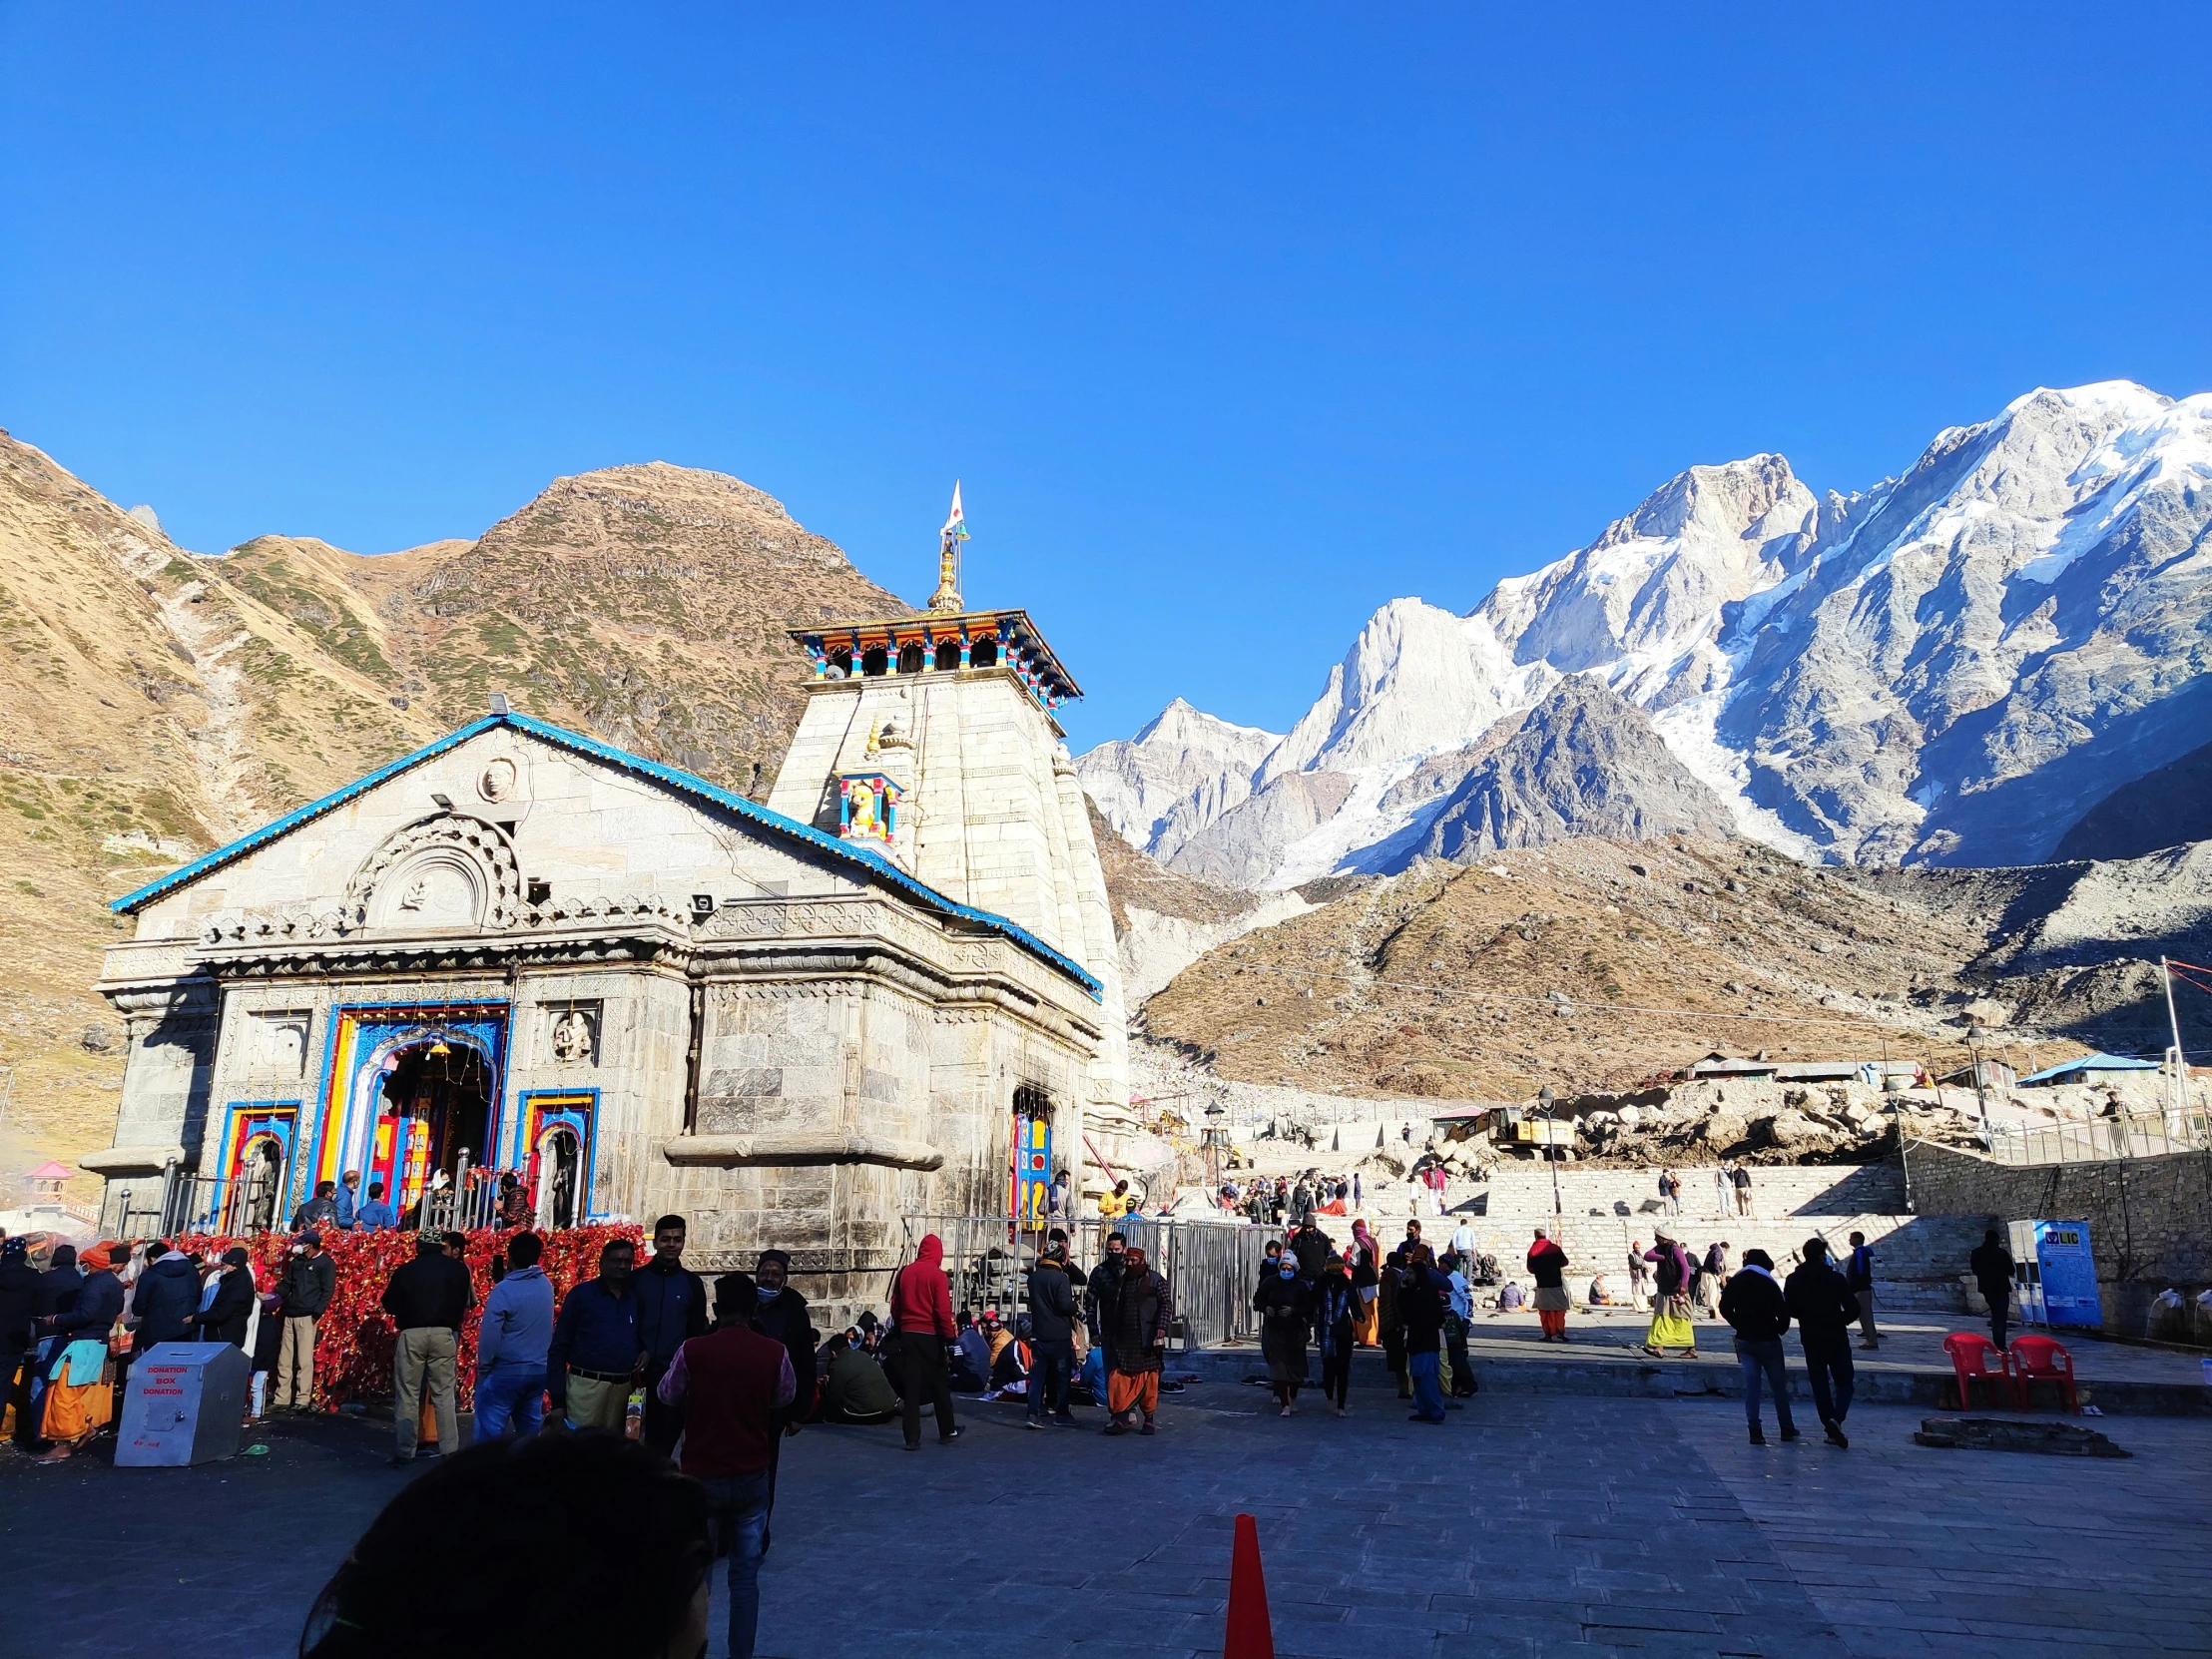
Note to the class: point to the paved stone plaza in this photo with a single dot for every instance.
(1528, 1524)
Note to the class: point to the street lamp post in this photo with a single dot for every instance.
(1976, 1037)
(1548, 1103)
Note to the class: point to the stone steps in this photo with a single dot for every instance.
(1917, 1258)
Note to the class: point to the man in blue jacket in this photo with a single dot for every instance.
(511, 1343)
(594, 1359)
(672, 1309)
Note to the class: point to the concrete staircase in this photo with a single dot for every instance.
(1917, 1258)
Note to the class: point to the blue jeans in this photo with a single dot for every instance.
(1428, 1393)
(738, 1503)
(1764, 1357)
(510, 1391)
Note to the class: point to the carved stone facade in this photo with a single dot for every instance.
(633, 991)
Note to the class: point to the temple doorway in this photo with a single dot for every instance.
(437, 1106)
(560, 1168)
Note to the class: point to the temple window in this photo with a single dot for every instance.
(874, 661)
(909, 659)
(841, 663)
(984, 654)
(949, 655)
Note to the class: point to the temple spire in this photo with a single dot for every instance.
(947, 596)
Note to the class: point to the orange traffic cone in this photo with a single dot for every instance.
(1249, 1635)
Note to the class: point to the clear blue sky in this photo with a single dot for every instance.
(1237, 322)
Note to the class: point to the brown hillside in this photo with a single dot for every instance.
(1591, 964)
(157, 704)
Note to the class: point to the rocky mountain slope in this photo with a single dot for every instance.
(156, 702)
(1952, 667)
(1597, 965)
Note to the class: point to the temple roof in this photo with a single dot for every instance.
(1013, 629)
(874, 863)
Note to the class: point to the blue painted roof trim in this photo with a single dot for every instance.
(876, 865)
(2091, 1062)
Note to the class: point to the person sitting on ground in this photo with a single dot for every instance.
(971, 1359)
(1599, 1295)
(1509, 1299)
(855, 1389)
(509, 1508)
(1010, 1358)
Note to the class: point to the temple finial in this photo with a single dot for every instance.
(947, 596)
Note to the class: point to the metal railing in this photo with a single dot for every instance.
(2132, 1135)
(178, 1201)
(1212, 1268)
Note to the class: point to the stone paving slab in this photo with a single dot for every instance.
(1526, 1525)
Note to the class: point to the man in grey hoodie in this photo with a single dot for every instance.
(511, 1343)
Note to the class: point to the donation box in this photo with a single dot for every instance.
(2055, 1272)
(185, 1405)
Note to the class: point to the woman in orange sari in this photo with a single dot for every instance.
(80, 1398)
(1367, 1279)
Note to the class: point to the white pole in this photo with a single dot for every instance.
(2179, 1093)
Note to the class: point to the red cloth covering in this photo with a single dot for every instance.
(354, 1340)
(920, 1298)
(1335, 1206)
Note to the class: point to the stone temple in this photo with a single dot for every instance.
(891, 992)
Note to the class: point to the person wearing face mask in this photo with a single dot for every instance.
(672, 1309)
(1137, 1343)
(1285, 1308)
(1099, 1293)
(781, 1314)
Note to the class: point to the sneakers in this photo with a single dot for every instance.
(1757, 1436)
(1790, 1433)
(1032, 1422)
(947, 1439)
(1836, 1436)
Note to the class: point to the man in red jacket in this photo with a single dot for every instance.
(922, 1313)
(731, 1382)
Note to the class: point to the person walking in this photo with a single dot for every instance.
(310, 1279)
(1389, 1326)
(782, 1316)
(1457, 1320)
(728, 1387)
(1670, 1191)
(1423, 1296)
(1547, 1263)
(511, 1343)
(1670, 1307)
(1992, 1265)
(1136, 1350)
(427, 1300)
(1284, 1305)
(1859, 1276)
(1335, 1330)
(1052, 1339)
(921, 1316)
(595, 1356)
(1821, 1302)
(1758, 1310)
(672, 1309)
(1367, 1284)
(1711, 1273)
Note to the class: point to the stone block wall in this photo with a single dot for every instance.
(2150, 1219)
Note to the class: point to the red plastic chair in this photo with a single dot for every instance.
(2040, 1360)
(1970, 1356)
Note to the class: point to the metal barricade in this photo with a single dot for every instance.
(1212, 1268)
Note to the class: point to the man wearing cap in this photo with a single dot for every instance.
(309, 1280)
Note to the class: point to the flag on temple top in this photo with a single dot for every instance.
(956, 525)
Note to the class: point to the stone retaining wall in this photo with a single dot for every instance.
(2150, 1219)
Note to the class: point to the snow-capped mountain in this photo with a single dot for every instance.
(1950, 667)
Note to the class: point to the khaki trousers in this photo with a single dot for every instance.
(596, 1405)
(296, 1362)
(424, 1358)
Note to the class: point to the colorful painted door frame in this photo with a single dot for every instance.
(543, 1110)
(364, 1040)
